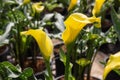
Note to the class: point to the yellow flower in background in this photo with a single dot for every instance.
(113, 63)
(72, 4)
(26, 1)
(43, 41)
(37, 7)
(97, 6)
(74, 24)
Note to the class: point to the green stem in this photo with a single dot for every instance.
(90, 54)
(90, 65)
(75, 65)
(91, 58)
(88, 72)
(18, 51)
(81, 73)
(49, 69)
(67, 66)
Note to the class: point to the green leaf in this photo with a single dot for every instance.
(16, 15)
(62, 56)
(10, 66)
(63, 59)
(46, 76)
(3, 37)
(8, 70)
(70, 76)
(117, 71)
(116, 21)
(28, 72)
(103, 63)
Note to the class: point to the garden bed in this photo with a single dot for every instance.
(59, 39)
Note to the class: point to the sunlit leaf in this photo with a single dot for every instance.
(3, 37)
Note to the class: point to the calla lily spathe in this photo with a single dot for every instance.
(75, 23)
(72, 4)
(37, 7)
(43, 41)
(113, 63)
(97, 6)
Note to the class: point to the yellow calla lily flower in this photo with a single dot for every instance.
(72, 4)
(26, 1)
(76, 21)
(113, 63)
(97, 7)
(43, 41)
(74, 24)
(37, 7)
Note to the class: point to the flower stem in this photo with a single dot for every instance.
(81, 73)
(67, 65)
(49, 69)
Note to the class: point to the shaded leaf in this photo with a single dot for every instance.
(117, 71)
(62, 56)
(116, 21)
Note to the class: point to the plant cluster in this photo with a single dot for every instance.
(28, 27)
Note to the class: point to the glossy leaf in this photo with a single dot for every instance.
(10, 66)
(8, 70)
